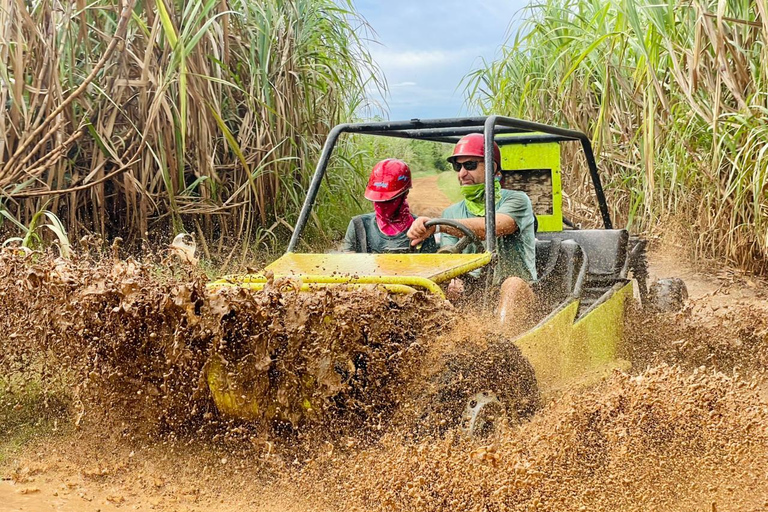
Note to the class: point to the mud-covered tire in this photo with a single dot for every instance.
(500, 369)
(668, 295)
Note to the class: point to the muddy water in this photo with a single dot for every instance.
(660, 440)
(141, 334)
(685, 430)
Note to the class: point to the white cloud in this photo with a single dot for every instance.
(420, 60)
(425, 48)
(388, 59)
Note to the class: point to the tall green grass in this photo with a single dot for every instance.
(145, 118)
(675, 98)
(424, 158)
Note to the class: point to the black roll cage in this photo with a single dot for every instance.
(450, 130)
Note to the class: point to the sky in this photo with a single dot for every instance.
(426, 47)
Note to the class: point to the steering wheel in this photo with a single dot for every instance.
(469, 236)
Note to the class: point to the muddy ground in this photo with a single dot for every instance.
(685, 429)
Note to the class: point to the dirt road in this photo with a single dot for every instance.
(426, 198)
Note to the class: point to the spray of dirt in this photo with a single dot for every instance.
(724, 337)
(685, 430)
(134, 340)
(665, 439)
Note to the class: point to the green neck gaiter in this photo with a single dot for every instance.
(474, 197)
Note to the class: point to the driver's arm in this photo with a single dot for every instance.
(505, 225)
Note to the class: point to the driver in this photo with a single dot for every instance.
(515, 237)
(385, 230)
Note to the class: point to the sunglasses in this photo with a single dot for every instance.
(471, 165)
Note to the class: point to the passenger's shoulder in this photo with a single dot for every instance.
(365, 219)
(365, 216)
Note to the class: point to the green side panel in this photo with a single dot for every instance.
(229, 400)
(600, 332)
(546, 347)
(535, 158)
(564, 353)
(235, 400)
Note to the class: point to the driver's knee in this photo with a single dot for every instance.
(516, 286)
(517, 303)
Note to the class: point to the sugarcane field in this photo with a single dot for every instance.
(328, 255)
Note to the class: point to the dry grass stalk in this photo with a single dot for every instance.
(160, 115)
(675, 98)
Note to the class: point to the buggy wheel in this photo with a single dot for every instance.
(668, 295)
(480, 392)
(483, 414)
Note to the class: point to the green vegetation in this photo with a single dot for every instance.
(168, 116)
(423, 157)
(341, 196)
(32, 238)
(27, 413)
(675, 99)
(448, 184)
(151, 118)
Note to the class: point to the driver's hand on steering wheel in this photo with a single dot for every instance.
(418, 232)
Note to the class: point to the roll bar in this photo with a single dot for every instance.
(450, 130)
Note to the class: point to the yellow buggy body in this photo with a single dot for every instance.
(583, 282)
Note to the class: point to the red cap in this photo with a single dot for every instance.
(389, 179)
(472, 145)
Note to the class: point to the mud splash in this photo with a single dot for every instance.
(663, 440)
(726, 338)
(133, 340)
(687, 429)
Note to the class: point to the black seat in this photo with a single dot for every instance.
(606, 253)
(605, 248)
(546, 256)
(561, 267)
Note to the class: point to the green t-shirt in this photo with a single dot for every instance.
(517, 252)
(378, 242)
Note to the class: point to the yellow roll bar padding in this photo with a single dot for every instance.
(257, 282)
(305, 286)
(423, 271)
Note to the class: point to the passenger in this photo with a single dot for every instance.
(386, 229)
(515, 237)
